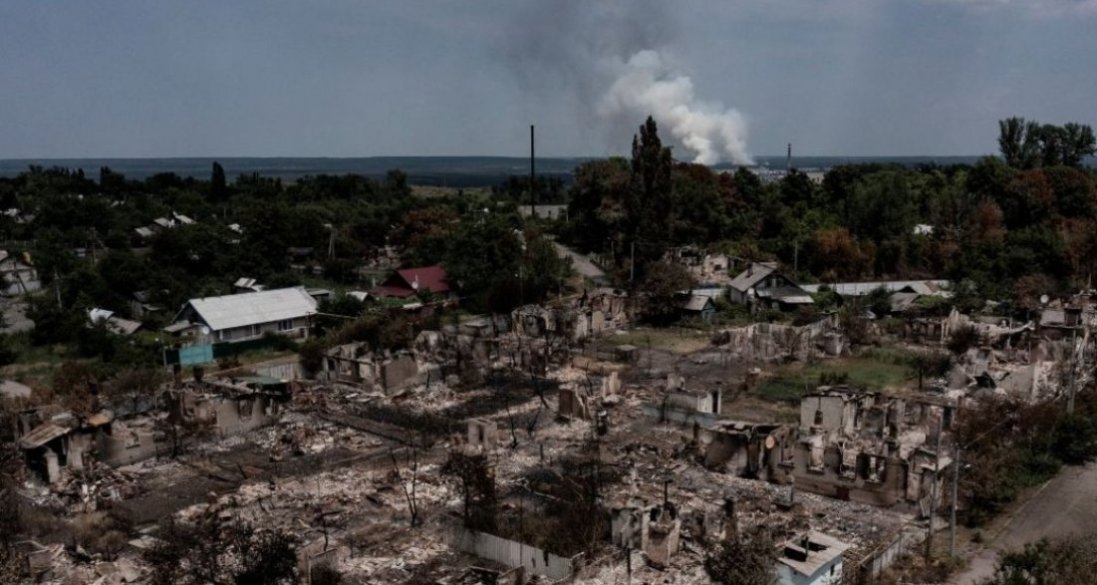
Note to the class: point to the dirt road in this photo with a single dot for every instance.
(581, 263)
(1066, 505)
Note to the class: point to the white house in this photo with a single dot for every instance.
(813, 558)
(247, 316)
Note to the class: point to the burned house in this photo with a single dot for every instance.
(870, 448)
(812, 558)
(355, 363)
(231, 406)
(655, 530)
(18, 275)
(52, 441)
(754, 450)
(595, 312)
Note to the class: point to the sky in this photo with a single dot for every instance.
(726, 79)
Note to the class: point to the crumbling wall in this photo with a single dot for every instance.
(399, 373)
(125, 447)
(774, 341)
(237, 415)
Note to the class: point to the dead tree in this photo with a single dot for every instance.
(409, 492)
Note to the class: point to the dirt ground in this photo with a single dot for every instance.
(1066, 505)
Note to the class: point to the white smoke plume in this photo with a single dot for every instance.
(646, 85)
(609, 59)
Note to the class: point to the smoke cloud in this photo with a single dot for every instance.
(612, 60)
(646, 85)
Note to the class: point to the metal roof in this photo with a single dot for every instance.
(753, 275)
(696, 303)
(254, 308)
(856, 289)
(42, 434)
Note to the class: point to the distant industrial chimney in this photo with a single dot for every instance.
(788, 160)
(532, 177)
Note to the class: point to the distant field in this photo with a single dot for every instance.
(431, 191)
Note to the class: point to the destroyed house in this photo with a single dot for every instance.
(870, 448)
(64, 440)
(813, 558)
(18, 275)
(233, 406)
(763, 284)
(247, 316)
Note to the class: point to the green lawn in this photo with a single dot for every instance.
(872, 371)
(674, 340)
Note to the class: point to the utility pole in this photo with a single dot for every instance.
(532, 177)
(632, 262)
(955, 495)
(1073, 367)
(933, 489)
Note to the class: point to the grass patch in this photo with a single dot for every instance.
(674, 340)
(876, 370)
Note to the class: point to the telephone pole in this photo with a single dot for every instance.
(933, 488)
(532, 177)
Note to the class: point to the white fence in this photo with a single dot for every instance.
(512, 554)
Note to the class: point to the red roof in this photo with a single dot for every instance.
(407, 282)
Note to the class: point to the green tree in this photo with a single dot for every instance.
(661, 287)
(218, 186)
(1071, 561)
(1019, 142)
(748, 561)
(649, 205)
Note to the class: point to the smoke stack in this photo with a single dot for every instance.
(532, 177)
(788, 160)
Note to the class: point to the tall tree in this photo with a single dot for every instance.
(1019, 142)
(1078, 143)
(218, 185)
(649, 206)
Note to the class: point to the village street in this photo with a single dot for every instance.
(1064, 506)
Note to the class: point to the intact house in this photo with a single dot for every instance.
(409, 282)
(697, 305)
(903, 293)
(762, 284)
(246, 316)
(18, 275)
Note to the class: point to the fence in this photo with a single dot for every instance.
(870, 567)
(200, 354)
(512, 554)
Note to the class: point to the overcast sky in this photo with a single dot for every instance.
(467, 77)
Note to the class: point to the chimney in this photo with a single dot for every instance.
(788, 160)
(731, 526)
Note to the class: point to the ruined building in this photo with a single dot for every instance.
(870, 448)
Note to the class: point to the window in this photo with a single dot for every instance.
(285, 325)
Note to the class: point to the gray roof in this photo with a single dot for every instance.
(856, 289)
(753, 275)
(254, 308)
(791, 295)
(696, 303)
